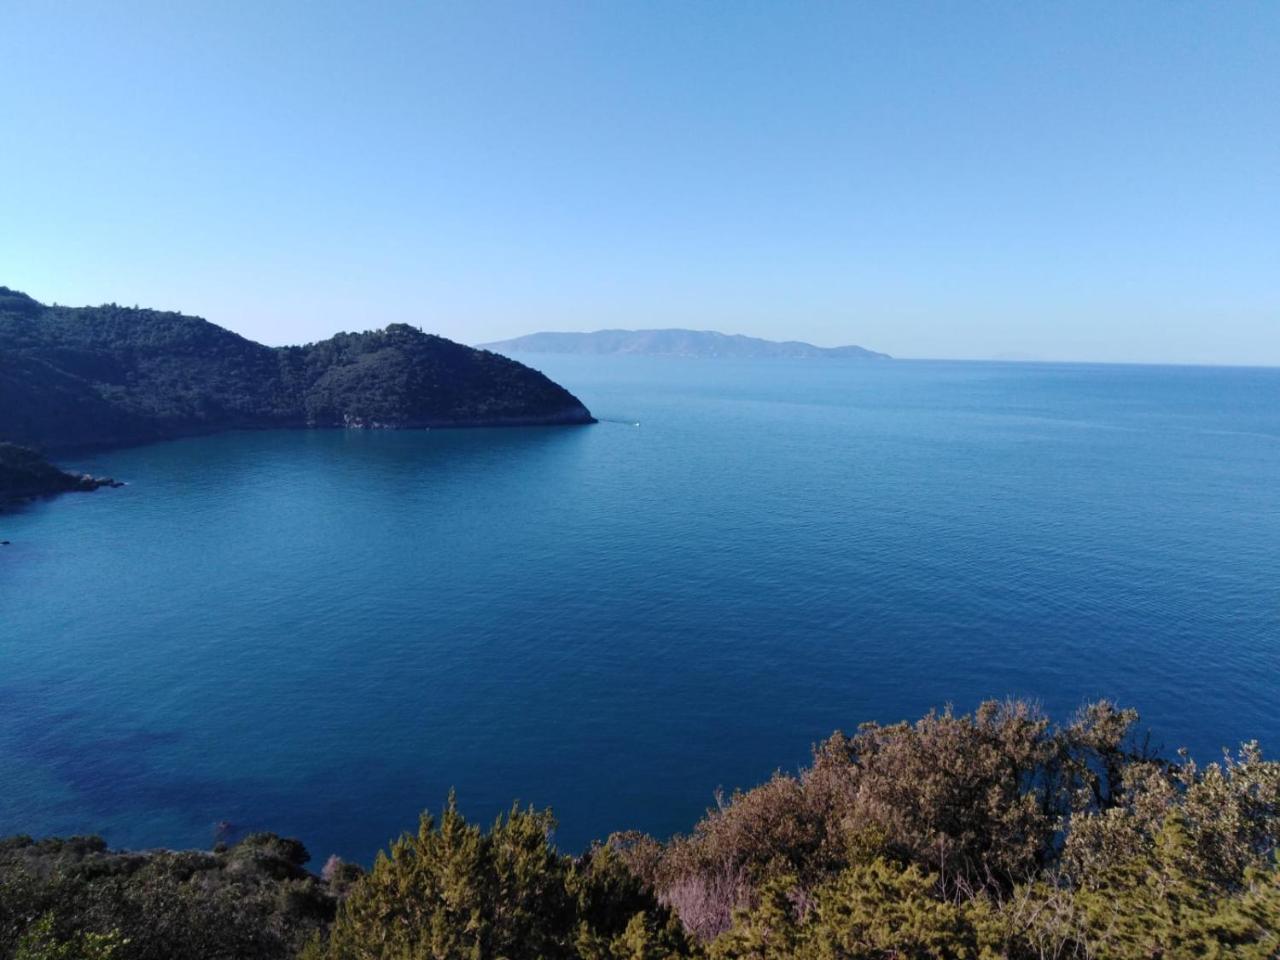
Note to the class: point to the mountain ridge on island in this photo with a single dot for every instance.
(677, 342)
(93, 377)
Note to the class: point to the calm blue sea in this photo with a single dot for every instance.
(320, 633)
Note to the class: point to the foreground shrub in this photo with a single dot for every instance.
(876, 910)
(454, 891)
(75, 898)
(41, 942)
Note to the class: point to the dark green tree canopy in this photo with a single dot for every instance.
(100, 376)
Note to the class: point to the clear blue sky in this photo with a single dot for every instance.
(967, 179)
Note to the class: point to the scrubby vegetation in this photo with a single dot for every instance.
(990, 835)
(98, 376)
(452, 890)
(77, 900)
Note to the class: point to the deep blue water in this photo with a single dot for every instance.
(320, 633)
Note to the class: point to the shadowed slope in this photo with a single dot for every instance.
(108, 375)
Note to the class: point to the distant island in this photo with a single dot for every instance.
(93, 377)
(678, 343)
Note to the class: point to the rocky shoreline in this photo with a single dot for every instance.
(26, 475)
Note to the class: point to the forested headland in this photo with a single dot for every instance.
(996, 834)
(80, 377)
(25, 474)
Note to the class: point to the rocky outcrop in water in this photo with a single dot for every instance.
(25, 475)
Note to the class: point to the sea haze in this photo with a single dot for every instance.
(321, 632)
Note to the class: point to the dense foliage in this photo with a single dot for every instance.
(991, 835)
(76, 899)
(96, 376)
(454, 891)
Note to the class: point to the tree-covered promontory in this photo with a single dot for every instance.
(111, 375)
(990, 835)
(25, 474)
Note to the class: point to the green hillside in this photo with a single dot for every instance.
(110, 375)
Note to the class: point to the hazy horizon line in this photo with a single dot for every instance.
(1011, 356)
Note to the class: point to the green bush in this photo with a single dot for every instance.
(454, 891)
(252, 900)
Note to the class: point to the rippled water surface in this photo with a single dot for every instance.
(320, 633)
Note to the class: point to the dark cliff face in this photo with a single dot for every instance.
(102, 376)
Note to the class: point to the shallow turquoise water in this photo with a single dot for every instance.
(320, 633)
